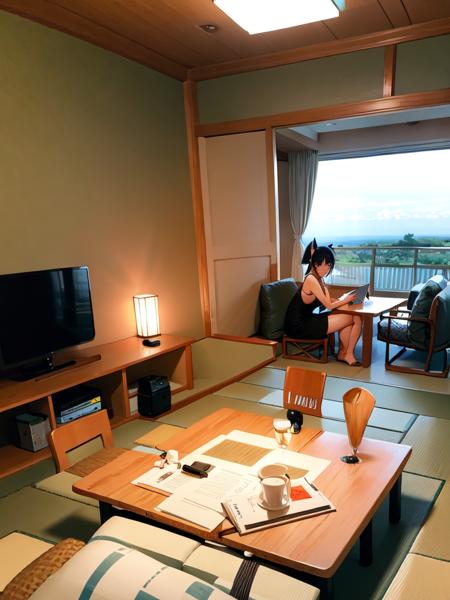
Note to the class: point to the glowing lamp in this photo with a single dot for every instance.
(147, 315)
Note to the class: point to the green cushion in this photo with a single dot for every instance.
(419, 333)
(274, 300)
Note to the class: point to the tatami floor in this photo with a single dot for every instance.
(410, 409)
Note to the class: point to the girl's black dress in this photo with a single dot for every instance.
(301, 323)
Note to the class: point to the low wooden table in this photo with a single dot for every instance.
(316, 546)
(368, 311)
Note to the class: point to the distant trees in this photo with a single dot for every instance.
(408, 240)
(402, 252)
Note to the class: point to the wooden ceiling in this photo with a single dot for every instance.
(165, 34)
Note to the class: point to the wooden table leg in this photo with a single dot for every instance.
(327, 588)
(365, 546)
(189, 369)
(367, 334)
(106, 511)
(395, 501)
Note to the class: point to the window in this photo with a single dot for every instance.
(400, 200)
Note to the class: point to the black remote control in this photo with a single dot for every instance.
(151, 342)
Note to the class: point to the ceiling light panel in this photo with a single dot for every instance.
(257, 16)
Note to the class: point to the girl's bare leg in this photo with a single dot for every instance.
(349, 329)
(355, 332)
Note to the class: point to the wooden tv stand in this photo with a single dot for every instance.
(120, 364)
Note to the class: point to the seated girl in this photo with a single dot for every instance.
(300, 320)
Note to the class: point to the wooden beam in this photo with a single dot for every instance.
(272, 197)
(362, 42)
(390, 59)
(326, 113)
(191, 111)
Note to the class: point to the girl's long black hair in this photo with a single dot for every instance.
(315, 255)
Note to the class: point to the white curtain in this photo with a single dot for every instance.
(302, 182)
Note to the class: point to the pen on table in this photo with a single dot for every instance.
(311, 484)
(165, 476)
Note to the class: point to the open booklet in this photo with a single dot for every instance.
(247, 515)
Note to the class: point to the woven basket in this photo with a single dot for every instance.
(31, 577)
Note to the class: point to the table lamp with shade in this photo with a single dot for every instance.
(147, 317)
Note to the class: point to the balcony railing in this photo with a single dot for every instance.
(393, 269)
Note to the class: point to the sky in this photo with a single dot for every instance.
(382, 195)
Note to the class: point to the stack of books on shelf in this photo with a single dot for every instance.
(133, 397)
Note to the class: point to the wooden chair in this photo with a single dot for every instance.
(305, 348)
(273, 302)
(70, 436)
(74, 434)
(303, 390)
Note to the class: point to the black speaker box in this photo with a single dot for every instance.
(154, 396)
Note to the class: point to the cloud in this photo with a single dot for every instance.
(380, 195)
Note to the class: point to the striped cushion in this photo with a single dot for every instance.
(167, 547)
(104, 569)
(219, 567)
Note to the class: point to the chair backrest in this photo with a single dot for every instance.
(66, 437)
(419, 332)
(303, 390)
(274, 299)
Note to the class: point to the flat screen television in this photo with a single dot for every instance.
(42, 312)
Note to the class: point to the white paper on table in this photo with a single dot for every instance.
(178, 506)
(174, 482)
(220, 483)
(313, 465)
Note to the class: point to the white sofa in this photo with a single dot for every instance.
(129, 559)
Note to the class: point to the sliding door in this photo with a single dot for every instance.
(239, 201)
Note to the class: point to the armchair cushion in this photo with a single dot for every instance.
(397, 334)
(274, 299)
(419, 333)
(443, 319)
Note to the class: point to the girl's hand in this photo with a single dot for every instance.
(350, 297)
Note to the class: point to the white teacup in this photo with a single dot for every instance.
(273, 470)
(275, 493)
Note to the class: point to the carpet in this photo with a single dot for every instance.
(429, 439)
(47, 516)
(433, 538)
(331, 409)
(419, 402)
(391, 543)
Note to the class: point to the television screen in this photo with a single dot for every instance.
(42, 312)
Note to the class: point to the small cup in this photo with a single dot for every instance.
(172, 456)
(275, 493)
(273, 470)
(283, 433)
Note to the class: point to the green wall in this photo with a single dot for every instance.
(423, 65)
(321, 82)
(94, 170)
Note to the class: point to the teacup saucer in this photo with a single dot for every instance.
(262, 504)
